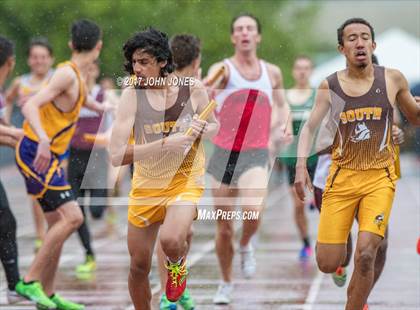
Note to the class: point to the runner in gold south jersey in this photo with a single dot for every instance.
(164, 177)
(168, 163)
(361, 100)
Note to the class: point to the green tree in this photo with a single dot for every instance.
(286, 26)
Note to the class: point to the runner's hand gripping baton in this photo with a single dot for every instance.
(203, 116)
(215, 76)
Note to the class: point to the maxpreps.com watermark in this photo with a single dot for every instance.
(155, 81)
(213, 215)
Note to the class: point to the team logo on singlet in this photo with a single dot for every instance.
(65, 194)
(379, 220)
(361, 114)
(169, 126)
(361, 133)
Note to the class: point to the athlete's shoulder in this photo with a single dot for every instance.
(275, 74)
(63, 79)
(128, 91)
(64, 73)
(272, 67)
(324, 85)
(338, 74)
(395, 75)
(196, 84)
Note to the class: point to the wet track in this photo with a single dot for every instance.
(282, 282)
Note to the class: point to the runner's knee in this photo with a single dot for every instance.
(364, 260)
(326, 265)
(140, 265)
(225, 230)
(172, 242)
(328, 261)
(74, 217)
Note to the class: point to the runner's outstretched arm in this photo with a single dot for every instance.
(408, 104)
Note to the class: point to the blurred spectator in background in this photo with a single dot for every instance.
(40, 61)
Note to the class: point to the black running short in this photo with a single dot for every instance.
(227, 166)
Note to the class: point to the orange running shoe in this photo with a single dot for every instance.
(177, 279)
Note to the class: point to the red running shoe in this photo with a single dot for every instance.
(177, 279)
(366, 307)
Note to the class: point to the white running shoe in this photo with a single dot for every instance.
(13, 297)
(248, 263)
(224, 291)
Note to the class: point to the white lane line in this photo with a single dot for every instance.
(313, 291)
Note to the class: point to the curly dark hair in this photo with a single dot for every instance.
(185, 49)
(152, 42)
(354, 20)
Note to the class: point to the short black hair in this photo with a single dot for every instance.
(153, 42)
(247, 15)
(354, 20)
(85, 34)
(185, 49)
(6, 50)
(40, 41)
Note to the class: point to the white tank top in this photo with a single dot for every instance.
(244, 111)
(237, 81)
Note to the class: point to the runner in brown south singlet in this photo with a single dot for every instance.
(167, 184)
(340, 275)
(363, 140)
(362, 177)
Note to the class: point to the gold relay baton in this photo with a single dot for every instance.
(216, 76)
(204, 114)
(99, 139)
